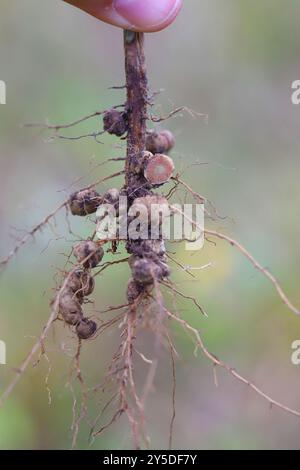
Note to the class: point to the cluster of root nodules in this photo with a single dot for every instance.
(147, 260)
(78, 286)
(144, 306)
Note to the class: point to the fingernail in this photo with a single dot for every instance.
(148, 15)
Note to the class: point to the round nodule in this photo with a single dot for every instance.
(164, 270)
(144, 271)
(115, 122)
(152, 209)
(111, 196)
(70, 308)
(81, 283)
(86, 328)
(133, 290)
(160, 142)
(84, 202)
(151, 200)
(89, 249)
(159, 169)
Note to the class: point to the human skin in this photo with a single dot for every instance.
(136, 15)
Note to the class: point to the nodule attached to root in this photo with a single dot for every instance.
(111, 196)
(86, 328)
(149, 201)
(115, 122)
(81, 283)
(153, 211)
(159, 169)
(164, 270)
(84, 202)
(133, 290)
(70, 308)
(160, 142)
(146, 271)
(89, 249)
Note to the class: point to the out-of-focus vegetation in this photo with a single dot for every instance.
(235, 61)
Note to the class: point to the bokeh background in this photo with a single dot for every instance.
(234, 61)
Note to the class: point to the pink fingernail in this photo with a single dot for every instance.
(149, 15)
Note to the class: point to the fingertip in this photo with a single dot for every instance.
(136, 15)
(148, 15)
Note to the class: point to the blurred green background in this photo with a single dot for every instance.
(234, 61)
